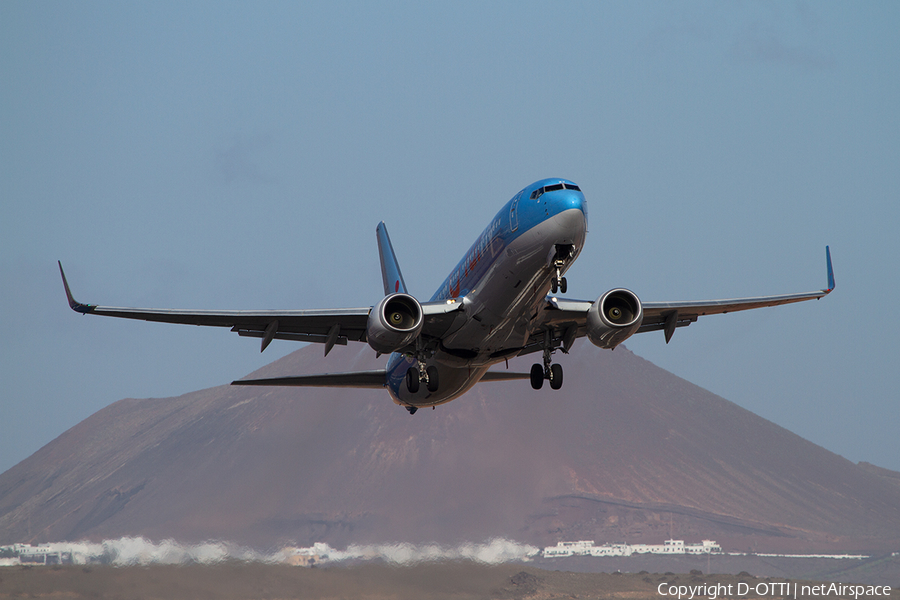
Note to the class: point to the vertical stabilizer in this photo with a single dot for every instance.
(390, 270)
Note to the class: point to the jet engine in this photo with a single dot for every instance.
(394, 323)
(613, 318)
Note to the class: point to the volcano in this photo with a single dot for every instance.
(624, 452)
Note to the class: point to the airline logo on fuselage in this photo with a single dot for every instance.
(488, 240)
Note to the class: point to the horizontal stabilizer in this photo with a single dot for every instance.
(503, 376)
(354, 379)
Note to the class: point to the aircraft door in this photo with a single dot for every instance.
(514, 213)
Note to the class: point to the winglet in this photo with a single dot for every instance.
(73, 304)
(390, 269)
(830, 269)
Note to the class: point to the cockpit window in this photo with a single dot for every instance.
(552, 188)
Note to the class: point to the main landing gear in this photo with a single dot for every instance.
(415, 376)
(419, 373)
(554, 374)
(551, 372)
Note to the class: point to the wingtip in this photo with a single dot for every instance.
(830, 270)
(73, 304)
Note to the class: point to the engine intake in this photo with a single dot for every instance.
(613, 318)
(394, 323)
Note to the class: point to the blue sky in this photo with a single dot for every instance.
(239, 155)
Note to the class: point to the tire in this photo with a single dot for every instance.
(556, 376)
(412, 380)
(563, 285)
(537, 376)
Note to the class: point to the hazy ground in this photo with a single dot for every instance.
(427, 581)
(875, 570)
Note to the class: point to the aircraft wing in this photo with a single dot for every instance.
(669, 315)
(566, 318)
(326, 326)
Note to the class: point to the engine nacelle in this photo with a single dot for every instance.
(613, 318)
(394, 323)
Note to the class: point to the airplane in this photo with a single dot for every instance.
(500, 301)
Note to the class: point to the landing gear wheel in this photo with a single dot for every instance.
(412, 380)
(432, 378)
(553, 286)
(556, 376)
(563, 285)
(412, 409)
(537, 376)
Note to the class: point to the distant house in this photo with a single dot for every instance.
(570, 548)
(704, 547)
(43, 554)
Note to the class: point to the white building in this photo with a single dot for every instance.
(570, 548)
(667, 547)
(43, 554)
(584, 548)
(704, 547)
(611, 550)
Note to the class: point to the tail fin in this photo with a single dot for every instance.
(390, 270)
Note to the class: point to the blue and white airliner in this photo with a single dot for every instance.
(500, 301)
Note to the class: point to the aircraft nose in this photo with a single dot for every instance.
(568, 201)
(576, 200)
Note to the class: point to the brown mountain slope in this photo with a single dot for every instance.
(626, 451)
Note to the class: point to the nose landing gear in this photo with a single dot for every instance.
(564, 253)
(558, 283)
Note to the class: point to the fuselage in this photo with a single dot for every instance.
(502, 282)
